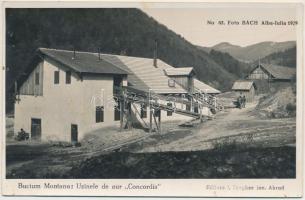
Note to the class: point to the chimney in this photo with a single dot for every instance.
(16, 88)
(74, 54)
(156, 54)
(99, 54)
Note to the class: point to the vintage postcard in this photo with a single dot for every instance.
(176, 99)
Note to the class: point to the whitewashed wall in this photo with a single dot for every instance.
(64, 104)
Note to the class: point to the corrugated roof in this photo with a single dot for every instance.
(181, 71)
(242, 85)
(279, 72)
(143, 75)
(205, 87)
(83, 62)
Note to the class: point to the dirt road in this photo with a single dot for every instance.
(232, 125)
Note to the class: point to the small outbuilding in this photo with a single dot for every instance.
(245, 87)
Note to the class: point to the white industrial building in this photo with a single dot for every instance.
(66, 94)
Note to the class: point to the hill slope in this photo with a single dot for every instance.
(252, 52)
(284, 58)
(232, 65)
(111, 30)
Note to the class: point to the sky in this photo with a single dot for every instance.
(191, 23)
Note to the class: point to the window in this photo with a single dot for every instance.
(171, 82)
(37, 78)
(56, 77)
(68, 77)
(99, 114)
(143, 111)
(169, 112)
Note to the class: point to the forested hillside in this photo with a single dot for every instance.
(230, 64)
(284, 58)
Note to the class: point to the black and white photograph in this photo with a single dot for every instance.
(160, 93)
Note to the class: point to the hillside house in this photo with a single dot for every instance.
(67, 94)
(269, 77)
(272, 72)
(245, 87)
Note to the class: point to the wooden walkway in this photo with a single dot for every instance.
(128, 96)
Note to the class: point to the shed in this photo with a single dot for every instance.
(245, 87)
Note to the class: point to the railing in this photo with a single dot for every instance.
(210, 100)
(158, 101)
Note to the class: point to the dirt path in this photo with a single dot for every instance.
(233, 124)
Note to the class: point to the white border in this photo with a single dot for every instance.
(170, 187)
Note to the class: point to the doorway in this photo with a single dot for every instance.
(36, 129)
(74, 133)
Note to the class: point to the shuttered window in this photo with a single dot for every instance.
(68, 77)
(56, 77)
(37, 78)
(99, 114)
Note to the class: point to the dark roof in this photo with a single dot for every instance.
(243, 85)
(142, 75)
(277, 71)
(84, 62)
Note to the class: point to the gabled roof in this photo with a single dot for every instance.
(205, 87)
(197, 83)
(277, 71)
(83, 62)
(181, 71)
(142, 75)
(243, 85)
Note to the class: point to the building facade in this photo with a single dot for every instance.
(67, 94)
(269, 77)
(63, 102)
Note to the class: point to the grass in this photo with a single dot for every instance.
(276, 162)
(224, 161)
